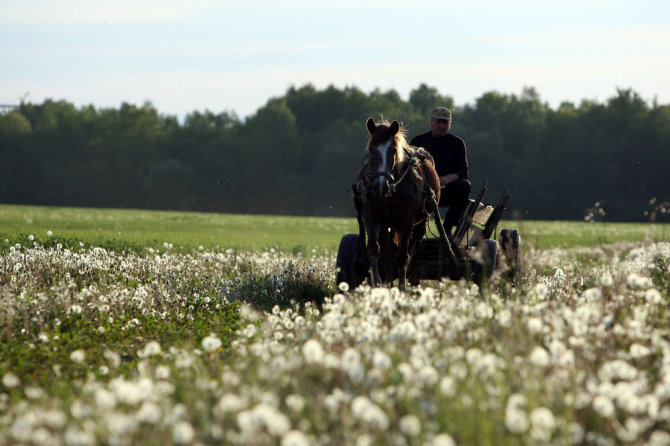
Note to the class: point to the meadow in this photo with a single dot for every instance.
(134, 327)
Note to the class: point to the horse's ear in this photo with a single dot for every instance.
(395, 126)
(370, 124)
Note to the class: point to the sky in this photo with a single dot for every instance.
(226, 55)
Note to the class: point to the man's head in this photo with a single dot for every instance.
(440, 121)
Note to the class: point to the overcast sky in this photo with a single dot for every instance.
(235, 55)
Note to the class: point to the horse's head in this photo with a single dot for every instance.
(385, 150)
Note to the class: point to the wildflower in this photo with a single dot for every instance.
(263, 416)
(543, 424)
(112, 357)
(541, 291)
(351, 363)
(539, 357)
(249, 331)
(603, 406)
(639, 351)
(162, 372)
(104, 399)
(617, 370)
(49, 233)
(606, 280)
(443, 440)
(230, 402)
(295, 402)
(34, 393)
(381, 360)
(182, 432)
(653, 296)
(149, 413)
(78, 437)
(637, 282)
(344, 287)
(77, 356)
(534, 325)
(211, 343)
(294, 438)
(447, 386)
(516, 420)
(10, 380)
(152, 348)
(313, 352)
(593, 294)
(365, 410)
(410, 425)
(659, 438)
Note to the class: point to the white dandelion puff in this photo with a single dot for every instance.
(313, 352)
(410, 425)
(77, 356)
(211, 343)
(182, 432)
(10, 380)
(543, 424)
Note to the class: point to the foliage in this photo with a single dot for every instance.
(298, 153)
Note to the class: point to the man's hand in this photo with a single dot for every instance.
(446, 179)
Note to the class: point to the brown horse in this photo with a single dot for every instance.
(392, 190)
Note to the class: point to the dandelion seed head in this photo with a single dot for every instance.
(313, 352)
(294, 438)
(543, 424)
(410, 425)
(77, 356)
(534, 325)
(211, 343)
(149, 413)
(541, 291)
(539, 357)
(443, 440)
(10, 380)
(182, 432)
(152, 348)
(603, 406)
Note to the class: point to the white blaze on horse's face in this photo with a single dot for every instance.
(384, 167)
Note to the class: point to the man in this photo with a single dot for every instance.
(451, 163)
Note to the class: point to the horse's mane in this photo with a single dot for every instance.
(402, 146)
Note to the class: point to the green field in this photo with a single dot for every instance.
(191, 230)
(238, 334)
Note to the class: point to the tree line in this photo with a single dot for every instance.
(298, 153)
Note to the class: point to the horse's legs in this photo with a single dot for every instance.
(373, 251)
(403, 259)
(386, 256)
(417, 235)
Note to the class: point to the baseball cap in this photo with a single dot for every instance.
(441, 113)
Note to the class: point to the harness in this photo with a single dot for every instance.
(415, 159)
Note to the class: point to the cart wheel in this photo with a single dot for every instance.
(351, 263)
(510, 243)
(484, 270)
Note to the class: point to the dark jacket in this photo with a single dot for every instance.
(448, 151)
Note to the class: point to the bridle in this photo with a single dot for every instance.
(390, 179)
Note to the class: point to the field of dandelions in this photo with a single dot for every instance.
(253, 348)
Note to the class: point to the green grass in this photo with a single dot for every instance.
(129, 228)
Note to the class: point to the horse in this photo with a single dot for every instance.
(391, 191)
